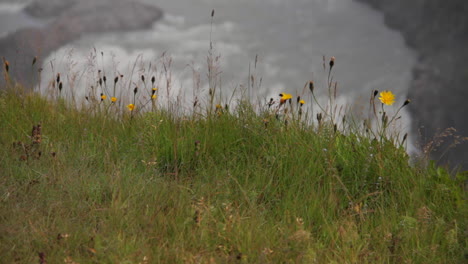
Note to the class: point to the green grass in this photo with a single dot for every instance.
(164, 188)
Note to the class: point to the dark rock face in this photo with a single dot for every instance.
(438, 31)
(69, 22)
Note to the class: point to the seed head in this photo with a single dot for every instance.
(7, 65)
(311, 86)
(332, 62)
(406, 102)
(271, 102)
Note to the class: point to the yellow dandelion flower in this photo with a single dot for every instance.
(301, 102)
(154, 96)
(113, 99)
(387, 97)
(155, 89)
(131, 107)
(103, 97)
(285, 97)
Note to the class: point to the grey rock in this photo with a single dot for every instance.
(70, 22)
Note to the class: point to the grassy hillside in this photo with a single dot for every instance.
(93, 184)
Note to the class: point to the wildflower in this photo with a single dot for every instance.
(103, 97)
(114, 99)
(154, 96)
(301, 102)
(218, 106)
(387, 97)
(154, 90)
(285, 97)
(131, 107)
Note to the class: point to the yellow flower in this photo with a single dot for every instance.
(301, 102)
(285, 97)
(154, 96)
(131, 107)
(155, 89)
(218, 106)
(103, 97)
(387, 97)
(113, 99)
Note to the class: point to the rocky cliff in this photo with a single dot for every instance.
(438, 31)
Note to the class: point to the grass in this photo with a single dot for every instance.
(217, 186)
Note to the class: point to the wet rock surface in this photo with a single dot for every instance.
(438, 31)
(70, 19)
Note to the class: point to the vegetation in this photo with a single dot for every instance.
(97, 183)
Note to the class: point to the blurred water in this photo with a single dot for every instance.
(12, 19)
(289, 36)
